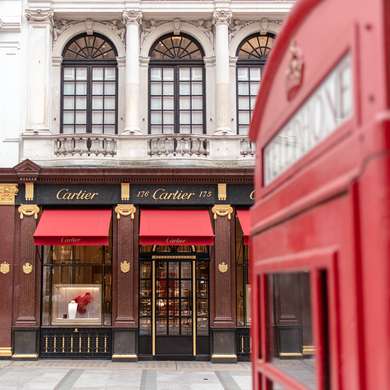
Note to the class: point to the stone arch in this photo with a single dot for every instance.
(79, 28)
(169, 27)
(250, 29)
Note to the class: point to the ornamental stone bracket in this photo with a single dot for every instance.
(28, 210)
(222, 210)
(222, 16)
(125, 210)
(39, 15)
(131, 16)
(8, 192)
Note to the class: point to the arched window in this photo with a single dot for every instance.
(89, 86)
(176, 86)
(252, 54)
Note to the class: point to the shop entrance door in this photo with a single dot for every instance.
(174, 308)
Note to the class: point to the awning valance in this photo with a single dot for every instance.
(176, 227)
(244, 218)
(73, 227)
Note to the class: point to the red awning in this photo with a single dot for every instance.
(243, 217)
(73, 227)
(176, 227)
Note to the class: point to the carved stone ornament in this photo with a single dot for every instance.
(8, 193)
(125, 210)
(125, 266)
(4, 268)
(295, 70)
(27, 268)
(132, 16)
(222, 210)
(39, 15)
(28, 210)
(222, 16)
(223, 267)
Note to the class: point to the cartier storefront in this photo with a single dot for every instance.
(124, 264)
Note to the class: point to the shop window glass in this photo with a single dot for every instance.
(289, 326)
(77, 283)
(176, 86)
(252, 55)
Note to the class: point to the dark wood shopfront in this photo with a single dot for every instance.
(160, 301)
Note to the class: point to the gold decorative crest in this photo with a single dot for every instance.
(222, 210)
(125, 266)
(28, 210)
(7, 193)
(125, 210)
(223, 267)
(4, 267)
(27, 268)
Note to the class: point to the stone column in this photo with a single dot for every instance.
(8, 191)
(132, 20)
(222, 83)
(38, 69)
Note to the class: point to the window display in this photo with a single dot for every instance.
(77, 285)
(76, 304)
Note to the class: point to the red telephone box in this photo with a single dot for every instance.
(320, 226)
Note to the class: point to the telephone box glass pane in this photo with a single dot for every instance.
(289, 326)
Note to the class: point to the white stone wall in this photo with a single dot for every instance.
(33, 34)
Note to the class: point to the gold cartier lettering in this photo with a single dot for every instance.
(163, 194)
(252, 195)
(65, 194)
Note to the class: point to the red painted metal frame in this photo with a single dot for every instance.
(330, 209)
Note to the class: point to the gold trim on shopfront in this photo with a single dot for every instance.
(5, 268)
(223, 267)
(125, 191)
(25, 356)
(162, 257)
(222, 192)
(125, 266)
(27, 268)
(308, 350)
(5, 351)
(28, 210)
(220, 356)
(29, 190)
(290, 354)
(125, 210)
(119, 356)
(153, 308)
(222, 210)
(8, 192)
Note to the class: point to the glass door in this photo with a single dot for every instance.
(174, 331)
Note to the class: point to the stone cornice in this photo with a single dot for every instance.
(10, 23)
(39, 15)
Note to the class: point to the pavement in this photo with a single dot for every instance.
(106, 375)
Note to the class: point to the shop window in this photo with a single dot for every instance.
(89, 86)
(290, 326)
(176, 86)
(77, 283)
(252, 54)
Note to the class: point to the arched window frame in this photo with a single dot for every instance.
(99, 94)
(175, 67)
(247, 87)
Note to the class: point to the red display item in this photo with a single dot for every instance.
(243, 217)
(83, 301)
(176, 227)
(73, 227)
(322, 185)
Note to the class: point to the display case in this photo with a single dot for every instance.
(77, 304)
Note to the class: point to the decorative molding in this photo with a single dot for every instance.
(27, 268)
(222, 194)
(28, 210)
(223, 267)
(60, 25)
(125, 191)
(222, 17)
(29, 190)
(125, 266)
(125, 210)
(131, 17)
(118, 27)
(27, 170)
(8, 193)
(4, 269)
(222, 210)
(39, 15)
(10, 24)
